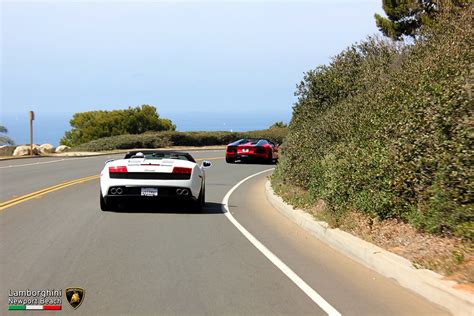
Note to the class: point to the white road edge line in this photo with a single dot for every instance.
(33, 163)
(46, 162)
(312, 294)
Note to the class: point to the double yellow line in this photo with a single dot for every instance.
(37, 194)
(42, 192)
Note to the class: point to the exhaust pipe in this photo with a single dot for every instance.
(119, 191)
(179, 191)
(113, 191)
(185, 192)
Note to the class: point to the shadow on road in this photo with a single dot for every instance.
(254, 162)
(165, 206)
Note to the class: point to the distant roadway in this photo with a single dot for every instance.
(170, 260)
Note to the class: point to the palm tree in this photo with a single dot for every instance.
(5, 140)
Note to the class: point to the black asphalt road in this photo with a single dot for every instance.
(169, 260)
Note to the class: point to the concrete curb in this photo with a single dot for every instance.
(424, 282)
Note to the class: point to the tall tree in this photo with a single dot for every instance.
(405, 17)
(87, 126)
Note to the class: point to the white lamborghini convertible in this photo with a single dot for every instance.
(152, 175)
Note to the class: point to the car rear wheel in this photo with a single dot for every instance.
(104, 205)
(270, 157)
(201, 201)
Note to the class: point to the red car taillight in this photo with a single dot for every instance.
(231, 149)
(118, 169)
(182, 170)
(260, 150)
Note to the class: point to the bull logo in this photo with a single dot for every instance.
(75, 296)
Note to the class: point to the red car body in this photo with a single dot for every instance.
(251, 149)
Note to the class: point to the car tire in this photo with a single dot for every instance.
(270, 157)
(104, 206)
(201, 200)
(229, 160)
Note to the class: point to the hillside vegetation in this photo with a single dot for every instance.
(173, 138)
(387, 130)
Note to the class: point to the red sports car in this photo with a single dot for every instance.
(251, 149)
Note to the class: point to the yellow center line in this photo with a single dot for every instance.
(42, 192)
(39, 193)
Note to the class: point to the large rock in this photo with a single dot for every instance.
(25, 150)
(21, 151)
(46, 148)
(62, 148)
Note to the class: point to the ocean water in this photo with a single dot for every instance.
(50, 127)
(47, 128)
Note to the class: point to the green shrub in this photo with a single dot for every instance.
(149, 140)
(171, 138)
(387, 130)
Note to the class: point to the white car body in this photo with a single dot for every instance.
(153, 174)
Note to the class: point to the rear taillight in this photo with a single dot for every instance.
(231, 149)
(260, 150)
(118, 169)
(182, 170)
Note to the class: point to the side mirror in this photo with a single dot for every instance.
(206, 164)
(109, 161)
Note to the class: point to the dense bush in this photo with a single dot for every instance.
(388, 130)
(88, 126)
(148, 140)
(171, 138)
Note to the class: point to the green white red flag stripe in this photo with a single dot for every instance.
(34, 307)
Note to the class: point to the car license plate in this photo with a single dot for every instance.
(149, 192)
(246, 150)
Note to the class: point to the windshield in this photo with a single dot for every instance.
(159, 155)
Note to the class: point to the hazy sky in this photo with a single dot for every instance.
(206, 65)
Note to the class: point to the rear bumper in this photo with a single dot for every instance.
(246, 156)
(167, 188)
(167, 192)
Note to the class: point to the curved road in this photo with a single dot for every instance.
(170, 261)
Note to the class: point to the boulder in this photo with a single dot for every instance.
(21, 151)
(24, 150)
(62, 148)
(36, 149)
(46, 149)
